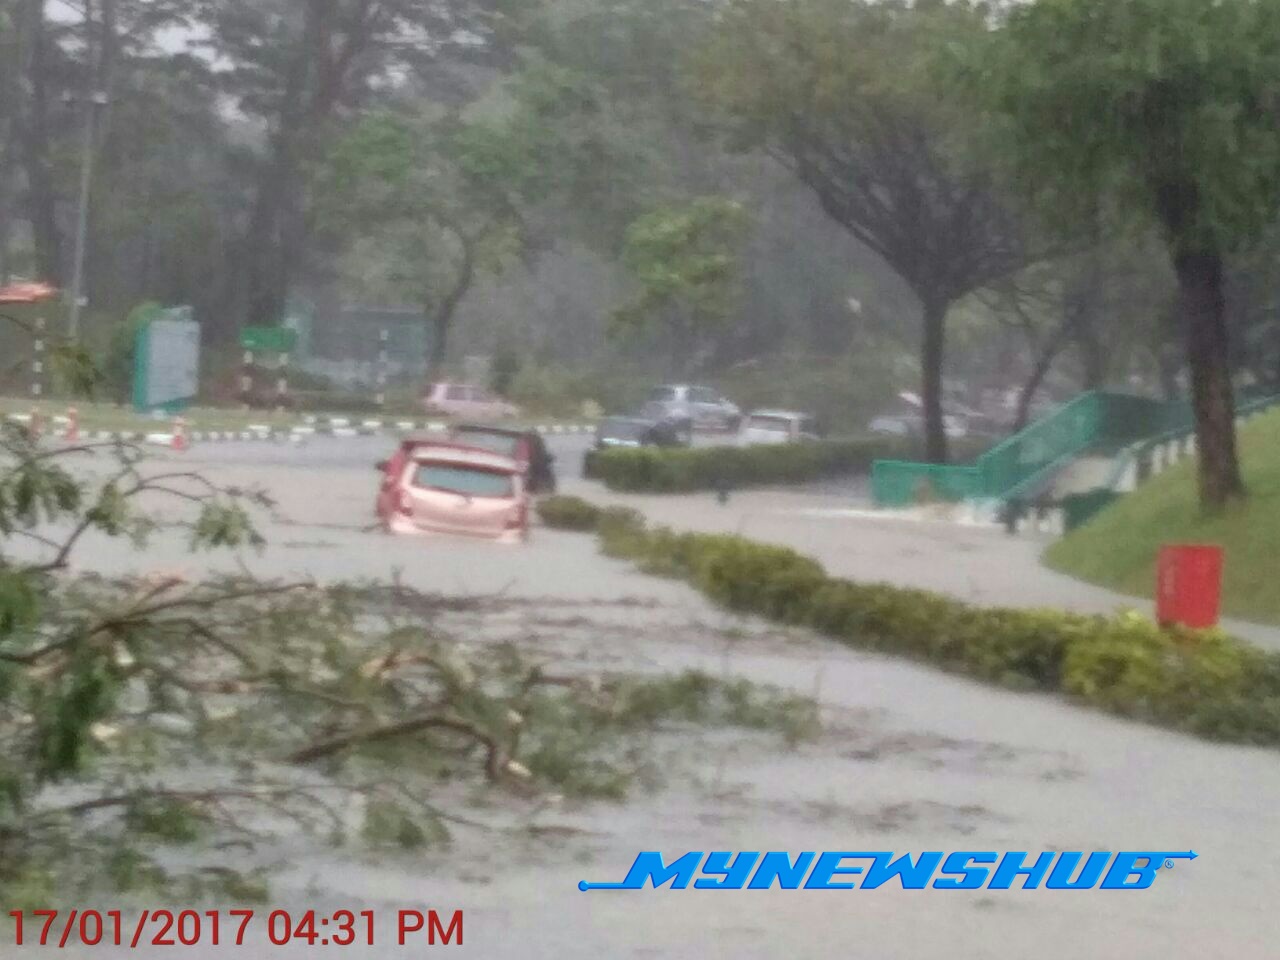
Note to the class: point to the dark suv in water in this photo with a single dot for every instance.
(693, 408)
(620, 432)
(523, 445)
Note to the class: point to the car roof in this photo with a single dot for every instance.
(786, 414)
(464, 456)
(420, 437)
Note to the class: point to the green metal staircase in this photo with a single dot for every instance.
(1026, 462)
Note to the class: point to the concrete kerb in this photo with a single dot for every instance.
(312, 426)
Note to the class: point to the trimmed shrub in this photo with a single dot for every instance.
(568, 513)
(1204, 682)
(685, 469)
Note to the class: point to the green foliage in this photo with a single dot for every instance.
(506, 365)
(224, 524)
(556, 391)
(679, 469)
(131, 691)
(116, 363)
(685, 261)
(1130, 100)
(401, 194)
(168, 821)
(1118, 548)
(570, 749)
(557, 141)
(568, 513)
(1204, 682)
(35, 489)
(843, 391)
(19, 603)
(389, 824)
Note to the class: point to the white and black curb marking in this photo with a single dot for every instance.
(384, 336)
(37, 361)
(313, 426)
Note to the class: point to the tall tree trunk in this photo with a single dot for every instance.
(1202, 303)
(1200, 292)
(931, 360)
(442, 315)
(42, 198)
(316, 79)
(437, 344)
(1092, 352)
(263, 276)
(1044, 363)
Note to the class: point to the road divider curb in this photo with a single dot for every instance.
(312, 426)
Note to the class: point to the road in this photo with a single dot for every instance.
(912, 760)
(833, 521)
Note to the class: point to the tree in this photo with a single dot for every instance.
(299, 69)
(35, 48)
(143, 712)
(400, 183)
(685, 261)
(1064, 310)
(839, 92)
(1167, 109)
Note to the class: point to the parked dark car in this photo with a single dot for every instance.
(618, 432)
(694, 408)
(521, 444)
(637, 432)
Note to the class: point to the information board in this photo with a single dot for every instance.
(167, 361)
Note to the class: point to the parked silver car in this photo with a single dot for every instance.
(693, 408)
(911, 424)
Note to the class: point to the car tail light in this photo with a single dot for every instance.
(404, 503)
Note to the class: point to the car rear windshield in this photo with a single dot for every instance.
(503, 443)
(471, 481)
(776, 424)
(663, 393)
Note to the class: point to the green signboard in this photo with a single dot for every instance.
(268, 339)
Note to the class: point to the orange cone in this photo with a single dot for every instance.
(179, 434)
(73, 426)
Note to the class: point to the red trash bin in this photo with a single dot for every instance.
(1189, 585)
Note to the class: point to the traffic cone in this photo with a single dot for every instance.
(179, 434)
(72, 434)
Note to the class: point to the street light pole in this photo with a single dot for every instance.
(95, 100)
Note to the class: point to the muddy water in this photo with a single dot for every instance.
(912, 760)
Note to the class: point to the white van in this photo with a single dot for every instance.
(777, 426)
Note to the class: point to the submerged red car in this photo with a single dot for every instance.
(449, 488)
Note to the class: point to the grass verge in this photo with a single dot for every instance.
(1118, 548)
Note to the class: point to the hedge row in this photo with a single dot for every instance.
(683, 469)
(1203, 682)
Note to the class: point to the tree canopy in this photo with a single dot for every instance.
(842, 94)
(1161, 110)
